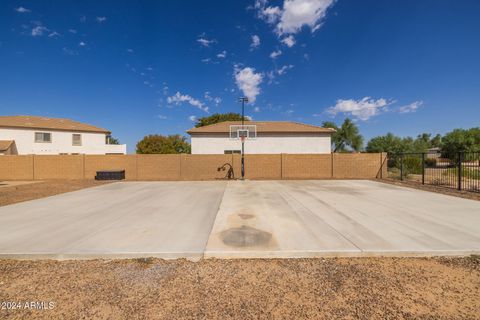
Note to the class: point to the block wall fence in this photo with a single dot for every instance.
(196, 167)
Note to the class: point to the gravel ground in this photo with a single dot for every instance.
(334, 288)
(443, 190)
(24, 192)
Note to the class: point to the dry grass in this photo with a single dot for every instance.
(29, 191)
(336, 288)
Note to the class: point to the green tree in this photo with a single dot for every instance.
(388, 143)
(218, 117)
(462, 140)
(163, 144)
(394, 144)
(422, 143)
(347, 137)
(436, 142)
(112, 140)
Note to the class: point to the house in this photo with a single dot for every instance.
(264, 137)
(41, 135)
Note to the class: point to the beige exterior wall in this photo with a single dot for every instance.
(195, 167)
(92, 143)
(264, 144)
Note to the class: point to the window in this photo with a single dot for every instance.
(76, 139)
(232, 151)
(43, 137)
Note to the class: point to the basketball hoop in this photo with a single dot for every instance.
(243, 132)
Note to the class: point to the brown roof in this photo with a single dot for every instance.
(5, 144)
(263, 126)
(47, 123)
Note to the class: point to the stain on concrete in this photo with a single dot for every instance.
(245, 236)
(246, 216)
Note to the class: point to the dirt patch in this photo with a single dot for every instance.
(336, 288)
(29, 191)
(443, 190)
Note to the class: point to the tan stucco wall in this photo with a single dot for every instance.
(195, 167)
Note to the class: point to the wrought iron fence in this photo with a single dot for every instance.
(458, 170)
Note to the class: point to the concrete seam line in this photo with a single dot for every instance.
(328, 224)
(214, 220)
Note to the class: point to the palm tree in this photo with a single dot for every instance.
(346, 137)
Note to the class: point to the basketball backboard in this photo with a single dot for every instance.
(243, 132)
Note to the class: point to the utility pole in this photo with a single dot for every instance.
(243, 100)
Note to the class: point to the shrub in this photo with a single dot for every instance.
(412, 165)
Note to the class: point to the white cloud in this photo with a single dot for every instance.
(54, 34)
(22, 10)
(256, 109)
(275, 54)
(101, 19)
(82, 44)
(216, 100)
(270, 76)
(192, 118)
(362, 109)
(70, 52)
(222, 55)
(204, 41)
(299, 13)
(255, 41)
(412, 107)
(289, 41)
(179, 98)
(293, 15)
(130, 50)
(38, 31)
(74, 31)
(206, 60)
(248, 81)
(160, 116)
(284, 69)
(269, 14)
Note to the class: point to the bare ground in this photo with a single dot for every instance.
(334, 288)
(30, 191)
(443, 190)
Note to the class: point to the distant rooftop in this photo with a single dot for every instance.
(5, 144)
(263, 127)
(34, 122)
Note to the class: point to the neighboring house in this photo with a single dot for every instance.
(7, 147)
(434, 153)
(271, 137)
(42, 135)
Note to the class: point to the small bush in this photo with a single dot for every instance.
(412, 165)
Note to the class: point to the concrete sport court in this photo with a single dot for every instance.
(241, 219)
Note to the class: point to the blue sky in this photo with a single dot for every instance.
(143, 67)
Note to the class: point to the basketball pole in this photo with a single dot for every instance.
(243, 100)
